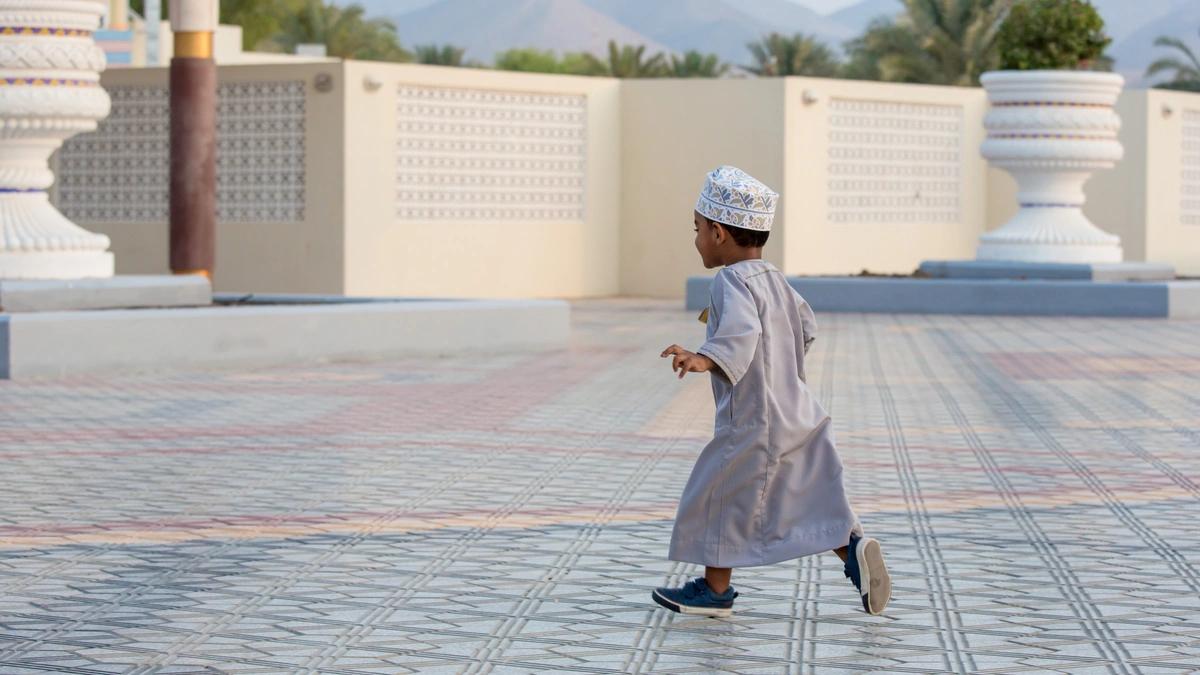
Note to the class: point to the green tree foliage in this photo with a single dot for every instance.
(345, 32)
(582, 63)
(628, 61)
(696, 64)
(529, 60)
(623, 61)
(1051, 35)
(261, 20)
(779, 55)
(933, 41)
(1184, 68)
(139, 6)
(444, 55)
(280, 25)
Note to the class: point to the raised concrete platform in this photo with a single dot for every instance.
(1177, 299)
(257, 299)
(990, 269)
(77, 342)
(123, 292)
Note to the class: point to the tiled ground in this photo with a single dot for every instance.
(1036, 483)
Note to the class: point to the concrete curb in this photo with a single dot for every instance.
(988, 269)
(69, 343)
(120, 292)
(1177, 299)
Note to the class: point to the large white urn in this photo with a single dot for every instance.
(1051, 129)
(49, 91)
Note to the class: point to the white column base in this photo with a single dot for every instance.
(1050, 235)
(57, 265)
(38, 242)
(1049, 253)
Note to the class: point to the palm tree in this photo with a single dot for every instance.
(1185, 68)
(433, 55)
(695, 64)
(582, 63)
(779, 55)
(344, 31)
(528, 60)
(933, 41)
(629, 62)
(261, 20)
(532, 60)
(891, 52)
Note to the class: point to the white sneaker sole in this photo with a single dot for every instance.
(714, 612)
(876, 582)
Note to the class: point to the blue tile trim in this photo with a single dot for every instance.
(970, 296)
(5, 347)
(990, 269)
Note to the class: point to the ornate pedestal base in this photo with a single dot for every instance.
(1050, 235)
(49, 91)
(38, 242)
(1051, 130)
(57, 265)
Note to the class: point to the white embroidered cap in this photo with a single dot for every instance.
(733, 197)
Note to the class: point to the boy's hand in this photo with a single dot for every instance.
(687, 362)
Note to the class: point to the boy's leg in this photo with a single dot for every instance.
(700, 596)
(867, 571)
(718, 578)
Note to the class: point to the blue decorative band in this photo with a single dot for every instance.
(45, 82)
(19, 190)
(44, 31)
(1041, 205)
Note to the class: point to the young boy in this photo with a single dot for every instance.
(768, 487)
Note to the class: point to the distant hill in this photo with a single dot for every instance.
(723, 27)
(487, 27)
(1137, 51)
(1122, 18)
(785, 16)
(387, 8)
(857, 17)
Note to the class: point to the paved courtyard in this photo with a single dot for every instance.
(1036, 484)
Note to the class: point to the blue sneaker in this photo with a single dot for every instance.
(695, 597)
(868, 572)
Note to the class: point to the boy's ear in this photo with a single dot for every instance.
(719, 231)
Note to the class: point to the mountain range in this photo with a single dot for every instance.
(723, 27)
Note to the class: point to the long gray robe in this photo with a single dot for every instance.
(768, 487)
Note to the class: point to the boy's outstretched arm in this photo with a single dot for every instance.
(687, 362)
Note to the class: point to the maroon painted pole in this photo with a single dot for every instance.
(193, 182)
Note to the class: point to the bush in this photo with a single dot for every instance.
(1051, 35)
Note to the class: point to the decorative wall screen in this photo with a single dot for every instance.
(119, 174)
(473, 154)
(1189, 207)
(892, 162)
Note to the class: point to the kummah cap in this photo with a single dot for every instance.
(733, 197)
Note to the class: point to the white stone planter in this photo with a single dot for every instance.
(49, 91)
(1051, 129)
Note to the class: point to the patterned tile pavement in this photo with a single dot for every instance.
(1036, 483)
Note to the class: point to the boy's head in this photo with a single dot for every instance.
(733, 217)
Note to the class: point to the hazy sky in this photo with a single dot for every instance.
(825, 6)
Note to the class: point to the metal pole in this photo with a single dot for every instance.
(118, 16)
(193, 184)
(153, 19)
